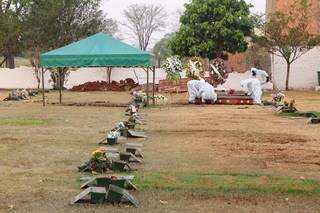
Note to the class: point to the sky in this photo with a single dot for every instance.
(114, 9)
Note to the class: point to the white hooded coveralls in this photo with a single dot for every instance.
(201, 89)
(253, 87)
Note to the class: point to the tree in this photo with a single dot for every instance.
(12, 19)
(61, 23)
(212, 28)
(161, 49)
(143, 20)
(286, 34)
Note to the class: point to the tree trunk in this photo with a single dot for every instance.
(10, 62)
(109, 71)
(218, 53)
(60, 85)
(38, 75)
(288, 75)
(135, 74)
(38, 82)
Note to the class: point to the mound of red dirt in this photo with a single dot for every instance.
(125, 85)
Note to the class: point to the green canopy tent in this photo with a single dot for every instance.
(99, 50)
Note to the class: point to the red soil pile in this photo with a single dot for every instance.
(125, 85)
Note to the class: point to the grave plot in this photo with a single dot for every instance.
(98, 195)
(112, 189)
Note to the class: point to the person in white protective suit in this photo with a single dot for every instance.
(253, 88)
(261, 75)
(194, 88)
(201, 89)
(207, 93)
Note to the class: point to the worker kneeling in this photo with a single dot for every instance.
(199, 89)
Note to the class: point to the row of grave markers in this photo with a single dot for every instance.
(114, 189)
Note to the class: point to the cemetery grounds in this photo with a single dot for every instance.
(197, 158)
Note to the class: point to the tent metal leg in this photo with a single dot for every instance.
(153, 84)
(43, 95)
(60, 88)
(147, 88)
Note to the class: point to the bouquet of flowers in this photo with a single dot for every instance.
(134, 119)
(120, 126)
(131, 110)
(173, 66)
(194, 68)
(159, 98)
(98, 162)
(231, 91)
(139, 99)
(99, 155)
(218, 72)
(277, 98)
(113, 134)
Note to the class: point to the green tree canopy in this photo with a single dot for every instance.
(12, 18)
(287, 35)
(211, 28)
(56, 23)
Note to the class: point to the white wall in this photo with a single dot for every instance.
(303, 71)
(22, 77)
(234, 79)
(303, 76)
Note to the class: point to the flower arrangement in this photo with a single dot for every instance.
(218, 72)
(173, 66)
(99, 155)
(113, 134)
(139, 99)
(134, 119)
(98, 162)
(287, 107)
(159, 99)
(194, 68)
(231, 91)
(131, 110)
(277, 98)
(120, 126)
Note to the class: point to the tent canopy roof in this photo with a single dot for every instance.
(99, 50)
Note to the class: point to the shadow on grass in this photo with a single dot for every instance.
(228, 182)
(22, 122)
(308, 114)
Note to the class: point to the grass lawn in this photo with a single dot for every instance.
(197, 158)
(13, 121)
(226, 183)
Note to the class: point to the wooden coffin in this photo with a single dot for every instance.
(234, 100)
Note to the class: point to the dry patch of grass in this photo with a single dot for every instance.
(198, 158)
